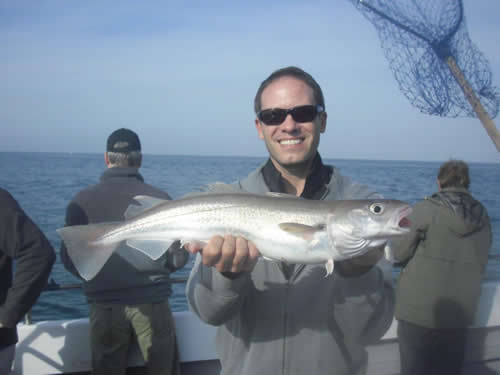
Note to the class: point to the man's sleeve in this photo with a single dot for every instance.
(33, 255)
(213, 297)
(366, 308)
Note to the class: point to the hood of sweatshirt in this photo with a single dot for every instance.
(465, 215)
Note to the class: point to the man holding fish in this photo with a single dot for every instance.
(281, 315)
(288, 258)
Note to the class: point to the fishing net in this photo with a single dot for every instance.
(435, 63)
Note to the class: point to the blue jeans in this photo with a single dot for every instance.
(430, 351)
(114, 326)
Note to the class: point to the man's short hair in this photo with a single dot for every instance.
(124, 148)
(454, 173)
(290, 71)
(124, 160)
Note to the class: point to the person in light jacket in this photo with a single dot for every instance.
(288, 319)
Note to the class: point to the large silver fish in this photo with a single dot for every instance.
(283, 227)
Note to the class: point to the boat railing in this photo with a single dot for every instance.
(53, 286)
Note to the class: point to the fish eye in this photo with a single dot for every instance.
(376, 208)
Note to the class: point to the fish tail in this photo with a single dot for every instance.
(87, 252)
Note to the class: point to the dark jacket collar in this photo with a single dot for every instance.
(120, 172)
(315, 183)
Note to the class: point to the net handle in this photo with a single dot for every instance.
(487, 122)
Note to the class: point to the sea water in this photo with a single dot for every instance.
(44, 183)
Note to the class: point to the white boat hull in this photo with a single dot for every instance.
(55, 347)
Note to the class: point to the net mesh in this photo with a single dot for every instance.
(417, 36)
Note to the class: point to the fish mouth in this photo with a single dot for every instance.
(403, 221)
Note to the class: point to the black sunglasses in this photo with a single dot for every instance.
(302, 113)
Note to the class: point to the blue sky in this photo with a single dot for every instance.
(183, 74)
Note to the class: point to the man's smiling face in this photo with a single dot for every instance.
(291, 143)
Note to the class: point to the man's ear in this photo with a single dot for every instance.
(106, 159)
(258, 126)
(322, 124)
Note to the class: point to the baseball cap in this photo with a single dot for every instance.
(123, 140)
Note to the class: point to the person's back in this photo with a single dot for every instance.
(452, 257)
(438, 290)
(21, 243)
(129, 296)
(106, 202)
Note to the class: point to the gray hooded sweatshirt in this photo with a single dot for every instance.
(445, 255)
(305, 324)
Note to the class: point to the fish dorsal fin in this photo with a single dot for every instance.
(303, 231)
(145, 203)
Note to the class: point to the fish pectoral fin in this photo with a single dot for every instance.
(145, 203)
(306, 232)
(152, 248)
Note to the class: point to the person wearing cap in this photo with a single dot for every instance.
(280, 318)
(128, 298)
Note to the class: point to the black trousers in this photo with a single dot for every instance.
(428, 351)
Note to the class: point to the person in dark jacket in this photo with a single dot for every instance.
(128, 298)
(438, 290)
(25, 249)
